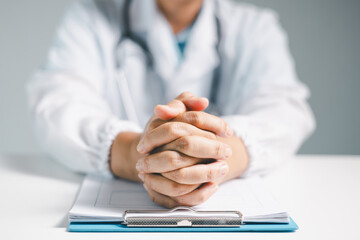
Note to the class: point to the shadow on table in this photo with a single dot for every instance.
(63, 223)
(39, 165)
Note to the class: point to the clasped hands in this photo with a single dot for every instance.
(183, 153)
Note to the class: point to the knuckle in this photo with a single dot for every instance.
(184, 143)
(182, 175)
(178, 201)
(183, 189)
(211, 135)
(146, 164)
(219, 149)
(174, 159)
(172, 204)
(179, 175)
(172, 128)
(202, 198)
(210, 174)
(194, 118)
(155, 123)
(178, 104)
(181, 201)
(176, 175)
(175, 189)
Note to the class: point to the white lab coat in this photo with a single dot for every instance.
(78, 108)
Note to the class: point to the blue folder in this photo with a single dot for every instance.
(249, 227)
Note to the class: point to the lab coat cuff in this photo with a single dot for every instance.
(108, 136)
(254, 149)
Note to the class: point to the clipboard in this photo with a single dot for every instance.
(117, 227)
(181, 219)
(103, 204)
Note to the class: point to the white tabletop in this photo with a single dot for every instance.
(322, 194)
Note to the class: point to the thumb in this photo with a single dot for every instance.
(171, 110)
(196, 103)
(184, 102)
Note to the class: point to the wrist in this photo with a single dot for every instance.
(123, 155)
(239, 160)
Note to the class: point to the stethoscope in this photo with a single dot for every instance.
(127, 33)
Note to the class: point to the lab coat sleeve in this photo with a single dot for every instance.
(73, 121)
(273, 117)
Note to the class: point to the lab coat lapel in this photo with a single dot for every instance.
(200, 57)
(148, 22)
(162, 44)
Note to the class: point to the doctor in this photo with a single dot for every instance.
(234, 106)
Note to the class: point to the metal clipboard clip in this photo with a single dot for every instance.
(182, 217)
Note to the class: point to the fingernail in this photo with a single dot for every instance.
(204, 99)
(140, 147)
(229, 131)
(228, 152)
(224, 169)
(139, 165)
(141, 176)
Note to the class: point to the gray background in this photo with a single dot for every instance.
(324, 37)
